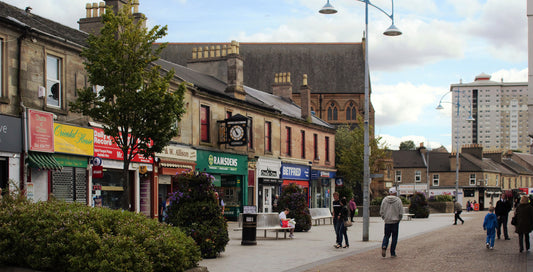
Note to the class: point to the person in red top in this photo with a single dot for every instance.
(353, 206)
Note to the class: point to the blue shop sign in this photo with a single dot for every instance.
(317, 174)
(294, 171)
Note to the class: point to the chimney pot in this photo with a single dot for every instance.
(206, 52)
(135, 6)
(224, 50)
(102, 8)
(305, 80)
(212, 51)
(217, 51)
(95, 10)
(88, 10)
(194, 52)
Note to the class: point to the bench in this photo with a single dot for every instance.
(267, 222)
(318, 214)
(407, 214)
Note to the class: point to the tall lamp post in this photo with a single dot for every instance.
(469, 119)
(391, 31)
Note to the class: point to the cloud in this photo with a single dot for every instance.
(403, 103)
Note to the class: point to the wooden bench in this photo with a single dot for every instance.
(267, 222)
(407, 214)
(318, 214)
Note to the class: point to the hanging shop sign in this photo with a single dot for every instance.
(225, 163)
(294, 171)
(41, 131)
(10, 134)
(73, 140)
(106, 148)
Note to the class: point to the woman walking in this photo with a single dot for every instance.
(353, 207)
(524, 222)
(343, 218)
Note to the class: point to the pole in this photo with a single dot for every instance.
(457, 150)
(366, 168)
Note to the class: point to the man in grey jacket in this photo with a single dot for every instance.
(391, 211)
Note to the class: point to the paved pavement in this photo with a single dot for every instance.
(430, 244)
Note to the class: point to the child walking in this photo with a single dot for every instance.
(490, 224)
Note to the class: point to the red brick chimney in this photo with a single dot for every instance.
(305, 97)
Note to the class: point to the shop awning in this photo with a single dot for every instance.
(43, 161)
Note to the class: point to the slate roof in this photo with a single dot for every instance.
(254, 97)
(36, 23)
(515, 167)
(407, 159)
(330, 67)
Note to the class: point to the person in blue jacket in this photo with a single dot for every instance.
(490, 224)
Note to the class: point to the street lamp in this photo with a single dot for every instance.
(391, 31)
(469, 119)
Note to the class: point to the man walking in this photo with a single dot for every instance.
(458, 209)
(336, 218)
(503, 207)
(391, 212)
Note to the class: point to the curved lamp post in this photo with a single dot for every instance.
(469, 119)
(391, 31)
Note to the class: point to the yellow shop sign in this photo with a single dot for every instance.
(73, 140)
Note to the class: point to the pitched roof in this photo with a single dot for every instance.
(36, 23)
(407, 159)
(330, 67)
(254, 97)
(515, 167)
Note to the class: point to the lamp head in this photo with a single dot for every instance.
(392, 31)
(439, 107)
(328, 9)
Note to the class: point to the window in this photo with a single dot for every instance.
(315, 147)
(228, 114)
(53, 81)
(472, 179)
(326, 145)
(251, 133)
(288, 141)
(268, 136)
(332, 112)
(435, 179)
(351, 113)
(204, 124)
(398, 176)
(302, 144)
(418, 176)
(497, 180)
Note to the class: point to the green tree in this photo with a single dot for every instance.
(407, 145)
(349, 152)
(135, 105)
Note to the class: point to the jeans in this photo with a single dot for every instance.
(339, 225)
(521, 238)
(502, 220)
(491, 234)
(342, 233)
(391, 229)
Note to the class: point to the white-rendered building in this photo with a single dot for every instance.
(500, 112)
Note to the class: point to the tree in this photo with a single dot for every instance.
(349, 152)
(294, 198)
(407, 145)
(135, 105)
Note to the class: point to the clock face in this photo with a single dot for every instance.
(236, 133)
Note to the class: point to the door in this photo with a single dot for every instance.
(267, 199)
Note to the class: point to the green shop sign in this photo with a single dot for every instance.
(224, 163)
(71, 161)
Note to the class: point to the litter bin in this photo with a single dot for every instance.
(249, 227)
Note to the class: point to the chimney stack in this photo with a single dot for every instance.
(305, 97)
(282, 85)
(94, 11)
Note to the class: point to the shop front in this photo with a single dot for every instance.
(230, 172)
(109, 186)
(298, 174)
(10, 150)
(269, 183)
(73, 147)
(173, 160)
(321, 188)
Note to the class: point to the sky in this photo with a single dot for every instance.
(444, 42)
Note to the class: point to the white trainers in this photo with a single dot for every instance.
(488, 245)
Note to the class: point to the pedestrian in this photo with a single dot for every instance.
(503, 207)
(336, 216)
(220, 202)
(524, 222)
(458, 209)
(275, 203)
(391, 212)
(344, 213)
(353, 207)
(468, 208)
(283, 217)
(489, 224)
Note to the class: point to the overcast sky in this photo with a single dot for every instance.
(443, 42)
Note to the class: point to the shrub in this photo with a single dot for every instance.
(194, 208)
(293, 197)
(405, 201)
(419, 206)
(442, 198)
(376, 200)
(59, 236)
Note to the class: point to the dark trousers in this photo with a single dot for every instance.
(521, 238)
(339, 225)
(391, 229)
(458, 216)
(352, 213)
(502, 220)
